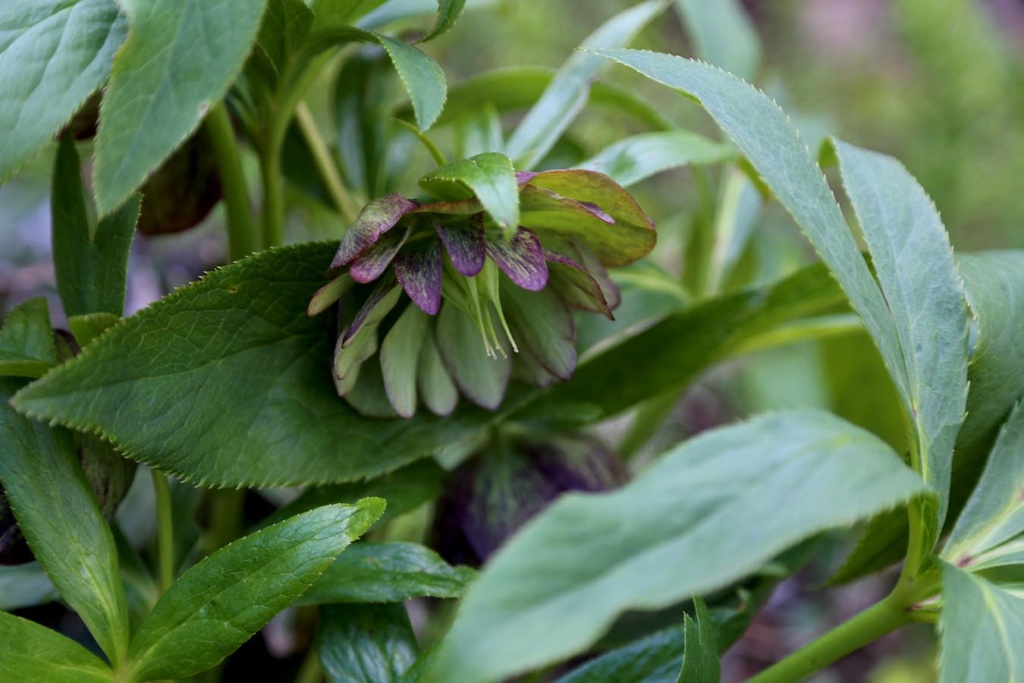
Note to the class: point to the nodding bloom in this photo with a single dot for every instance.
(451, 302)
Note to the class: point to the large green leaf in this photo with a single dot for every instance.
(710, 512)
(218, 604)
(53, 55)
(179, 59)
(30, 652)
(365, 643)
(26, 341)
(91, 265)
(982, 627)
(914, 265)
(227, 382)
(387, 572)
(764, 135)
(667, 356)
(567, 93)
(639, 157)
(994, 514)
(722, 34)
(59, 516)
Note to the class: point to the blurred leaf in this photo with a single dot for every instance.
(25, 585)
(668, 355)
(362, 101)
(914, 265)
(30, 652)
(982, 627)
(365, 643)
(722, 34)
(179, 59)
(387, 572)
(336, 12)
(286, 23)
(91, 265)
(59, 516)
(26, 341)
(700, 658)
(994, 514)
(422, 77)
(53, 55)
(653, 659)
(519, 87)
(479, 131)
(639, 157)
(712, 510)
(489, 177)
(567, 93)
(218, 604)
(739, 206)
(157, 385)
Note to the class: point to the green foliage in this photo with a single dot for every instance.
(700, 659)
(788, 475)
(26, 343)
(366, 643)
(489, 177)
(30, 652)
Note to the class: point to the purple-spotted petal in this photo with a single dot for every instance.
(382, 299)
(376, 258)
(420, 275)
(376, 218)
(521, 258)
(465, 245)
(575, 285)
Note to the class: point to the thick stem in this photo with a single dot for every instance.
(325, 164)
(242, 235)
(868, 626)
(273, 196)
(165, 531)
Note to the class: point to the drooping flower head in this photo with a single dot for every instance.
(474, 286)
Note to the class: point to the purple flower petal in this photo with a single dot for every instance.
(420, 275)
(382, 299)
(376, 258)
(521, 258)
(523, 177)
(575, 285)
(465, 245)
(376, 218)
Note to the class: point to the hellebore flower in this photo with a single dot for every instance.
(487, 298)
(499, 489)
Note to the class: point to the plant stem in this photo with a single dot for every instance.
(165, 531)
(273, 196)
(325, 164)
(310, 671)
(242, 235)
(226, 517)
(869, 625)
(434, 150)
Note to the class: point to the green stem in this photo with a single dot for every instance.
(434, 150)
(165, 531)
(325, 164)
(310, 671)
(242, 235)
(225, 517)
(273, 196)
(868, 626)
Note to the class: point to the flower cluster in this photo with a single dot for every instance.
(484, 303)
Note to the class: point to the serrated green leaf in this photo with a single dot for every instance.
(365, 643)
(700, 658)
(30, 652)
(286, 23)
(26, 341)
(179, 59)
(639, 157)
(174, 386)
(448, 12)
(387, 572)
(653, 659)
(711, 511)
(422, 77)
(53, 55)
(994, 514)
(219, 603)
(567, 93)
(91, 265)
(25, 585)
(722, 34)
(914, 265)
(687, 342)
(489, 177)
(61, 520)
(982, 627)
(85, 328)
